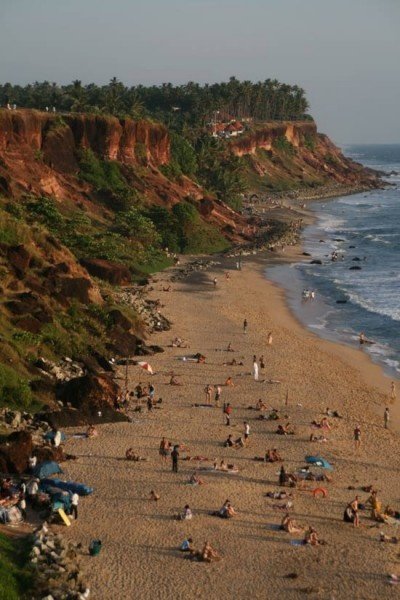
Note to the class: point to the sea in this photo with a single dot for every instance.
(360, 290)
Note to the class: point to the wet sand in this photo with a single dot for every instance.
(140, 556)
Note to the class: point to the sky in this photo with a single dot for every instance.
(345, 53)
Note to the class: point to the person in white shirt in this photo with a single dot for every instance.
(246, 431)
(255, 370)
(57, 438)
(74, 505)
(33, 488)
(32, 462)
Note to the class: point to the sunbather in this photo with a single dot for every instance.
(288, 524)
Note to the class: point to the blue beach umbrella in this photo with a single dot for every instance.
(318, 461)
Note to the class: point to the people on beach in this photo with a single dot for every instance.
(175, 458)
(255, 369)
(386, 418)
(164, 449)
(229, 382)
(153, 496)
(229, 441)
(187, 546)
(393, 391)
(186, 514)
(227, 413)
(351, 514)
(174, 380)
(269, 338)
(261, 361)
(289, 525)
(208, 391)
(226, 511)
(245, 326)
(91, 431)
(246, 432)
(357, 437)
(217, 397)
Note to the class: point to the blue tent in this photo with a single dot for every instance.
(69, 486)
(319, 462)
(49, 436)
(45, 469)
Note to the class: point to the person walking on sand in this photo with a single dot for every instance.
(74, 505)
(175, 457)
(255, 369)
(245, 326)
(227, 413)
(393, 391)
(386, 418)
(357, 437)
(246, 431)
(208, 391)
(269, 339)
(217, 397)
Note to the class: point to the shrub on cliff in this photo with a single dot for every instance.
(14, 389)
(15, 575)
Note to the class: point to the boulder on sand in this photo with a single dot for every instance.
(90, 399)
(15, 452)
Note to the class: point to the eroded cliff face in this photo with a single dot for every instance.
(39, 151)
(310, 159)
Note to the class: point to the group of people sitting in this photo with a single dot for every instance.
(206, 554)
(226, 511)
(289, 525)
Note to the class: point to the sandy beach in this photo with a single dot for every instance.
(140, 556)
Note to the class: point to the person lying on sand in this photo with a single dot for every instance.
(197, 458)
(271, 381)
(91, 431)
(229, 382)
(178, 342)
(279, 495)
(388, 538)
(195, 479)
(333, 413)
(318, 438)
(131, 455)
(154, 496)
(174, 380)
(322, 424)
(285, 429)
(233, 363)
(288, 524)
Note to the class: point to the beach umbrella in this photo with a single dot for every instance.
(146, 367)
(318, 461)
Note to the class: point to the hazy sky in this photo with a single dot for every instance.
(345, 53)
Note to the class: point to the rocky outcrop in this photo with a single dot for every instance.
(295, 154)
(88, 399)
(57, 567)
(14, 453)
(112, 272)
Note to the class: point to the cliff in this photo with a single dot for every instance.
(293, 155)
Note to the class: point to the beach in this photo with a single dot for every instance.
(140, 555)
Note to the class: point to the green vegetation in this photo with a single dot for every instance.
(309, 142)
(283, 145)
(15, 575)
(14, 389)
(190, 104)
